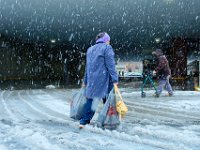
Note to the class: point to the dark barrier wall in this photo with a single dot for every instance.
(133, 24)
(38, 32)
(22, 60)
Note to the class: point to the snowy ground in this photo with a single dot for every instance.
(39, 120)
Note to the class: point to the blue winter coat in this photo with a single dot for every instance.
(100, 71)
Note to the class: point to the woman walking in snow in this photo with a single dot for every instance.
(100, 75)
(163, 71)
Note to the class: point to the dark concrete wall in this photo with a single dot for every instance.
(25, 60)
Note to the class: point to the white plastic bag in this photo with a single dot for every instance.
(77, 104)
(108, 117)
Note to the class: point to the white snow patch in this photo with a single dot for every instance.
(2, 147)
(31, 138)
(151, 123)
(40, 141)
(58, 106)
(50, 87)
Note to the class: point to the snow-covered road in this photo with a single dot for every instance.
(39, 120)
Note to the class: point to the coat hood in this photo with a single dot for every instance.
(102, 37)
(158, 52)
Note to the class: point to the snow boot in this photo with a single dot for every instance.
(156, 95)
(170, 94)
(81, 126)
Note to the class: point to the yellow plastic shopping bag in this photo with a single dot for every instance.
(120, 105)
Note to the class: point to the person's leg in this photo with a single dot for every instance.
(88, 113)
(169, 87)
(161, 85)
(104, 100)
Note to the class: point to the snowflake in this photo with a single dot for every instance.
(168, 1)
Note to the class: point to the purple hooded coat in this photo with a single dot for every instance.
(163, 68)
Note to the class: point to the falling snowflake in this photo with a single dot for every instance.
(168, 1)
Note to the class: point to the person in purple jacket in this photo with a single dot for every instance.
(100, 75)
(163, 71)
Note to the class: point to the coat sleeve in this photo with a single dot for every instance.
(110, 63)
(85, 76)
(161, 64)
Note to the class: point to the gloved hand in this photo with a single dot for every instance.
(83, 85)
(115, 84)
(168, 77)
(154, 73)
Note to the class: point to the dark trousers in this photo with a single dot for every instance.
(88, 113)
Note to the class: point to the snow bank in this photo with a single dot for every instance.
(30, 138)
(50, 87)
(2, 147)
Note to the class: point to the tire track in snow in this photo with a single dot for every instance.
(160, 103)
(36, 101)
(20, 124)
(50, 117)
(22, 111)
(126, 136)
(28, 136)
(162, 114)
(42, 114)
(147, 111)
(148, 137)
(6, 107)
(152, 109)
(64, 95)
(3, 111)
(65, 120)
(32, 121)
(70, 125)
